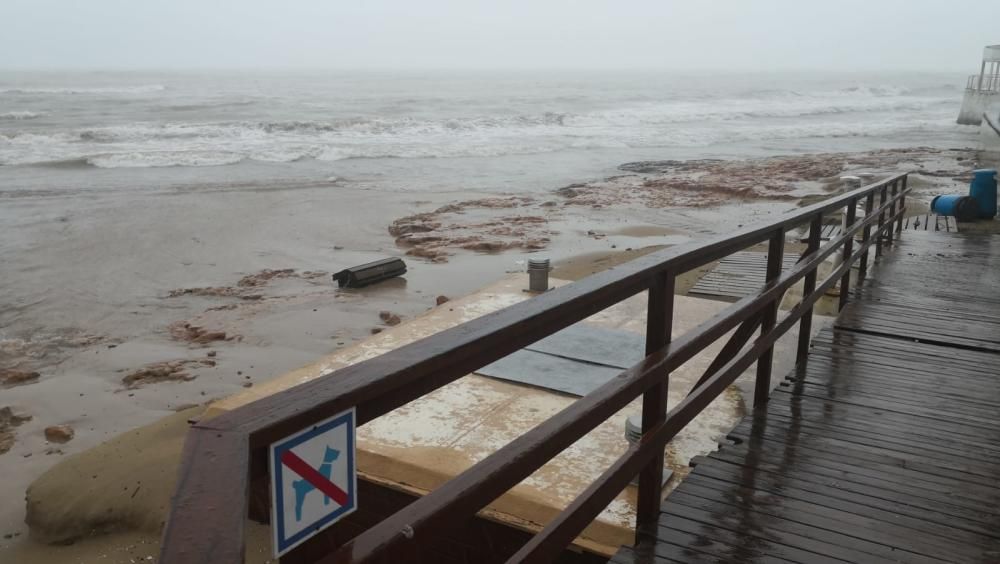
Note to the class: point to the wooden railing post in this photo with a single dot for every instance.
(659, 321)
(808, 287)
(892, 212)
(880, 230)
(845, 281)
(769, 316)
(902, 207)
(866, 237)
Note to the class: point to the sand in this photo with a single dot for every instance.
(107, 504)
(582, 266)
(117, 309)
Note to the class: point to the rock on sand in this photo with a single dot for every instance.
(10, 377)
(133, 474)
(59, 434)
(9, 420)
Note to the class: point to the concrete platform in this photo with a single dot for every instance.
(421, 445)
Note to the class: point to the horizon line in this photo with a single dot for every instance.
(466, 69)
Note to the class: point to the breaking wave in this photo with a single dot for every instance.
(164, 158)
(140, 89)
(18, 116)
(879, 91)
(491, 129)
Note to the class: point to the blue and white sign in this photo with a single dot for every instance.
(314, 480)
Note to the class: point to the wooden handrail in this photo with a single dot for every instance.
(547, 544)
(523, 456)
(210, 503)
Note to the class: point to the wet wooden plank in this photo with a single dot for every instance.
(905, 434)
(889, 424)
(885, 446)
(905, 386)
(832, 492)
(737, 276)
(845, 530)
(894, 442)
(901, 386)
(728, 545)
(776, 537)
(828, 232)
(930, 222)
(976, 492)
(891, 485)
(874, 445)
(679, 546)
(765, 492)
(873, 453)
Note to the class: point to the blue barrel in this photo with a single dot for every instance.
(984, 190)
(963, 208)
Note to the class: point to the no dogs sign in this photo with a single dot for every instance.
(314, 480)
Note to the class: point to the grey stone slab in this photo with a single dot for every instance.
(551, 372)
(597, 345)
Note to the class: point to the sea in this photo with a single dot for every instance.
(67, 132)
(119, 187)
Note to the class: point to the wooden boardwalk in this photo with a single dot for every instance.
(742, 274)
(931, 222)
(924, 222)
(736, 276)
(884, 447)
(828, 232)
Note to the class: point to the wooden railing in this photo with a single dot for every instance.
(210, 504)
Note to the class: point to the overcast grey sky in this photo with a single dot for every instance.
(391, 34)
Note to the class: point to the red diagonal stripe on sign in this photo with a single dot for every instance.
(311, 475)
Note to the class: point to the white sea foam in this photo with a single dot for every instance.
(164, 158)
(878, 90)
(139, 89)
(18, 116)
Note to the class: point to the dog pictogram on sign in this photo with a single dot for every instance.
(313, 480)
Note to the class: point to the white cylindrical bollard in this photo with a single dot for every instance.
(851, 181)
(633, 434)
(866, 179)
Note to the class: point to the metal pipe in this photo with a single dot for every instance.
(538, 275)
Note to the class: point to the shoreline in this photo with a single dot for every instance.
(228, 323)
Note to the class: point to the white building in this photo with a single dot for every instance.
(983, 89)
